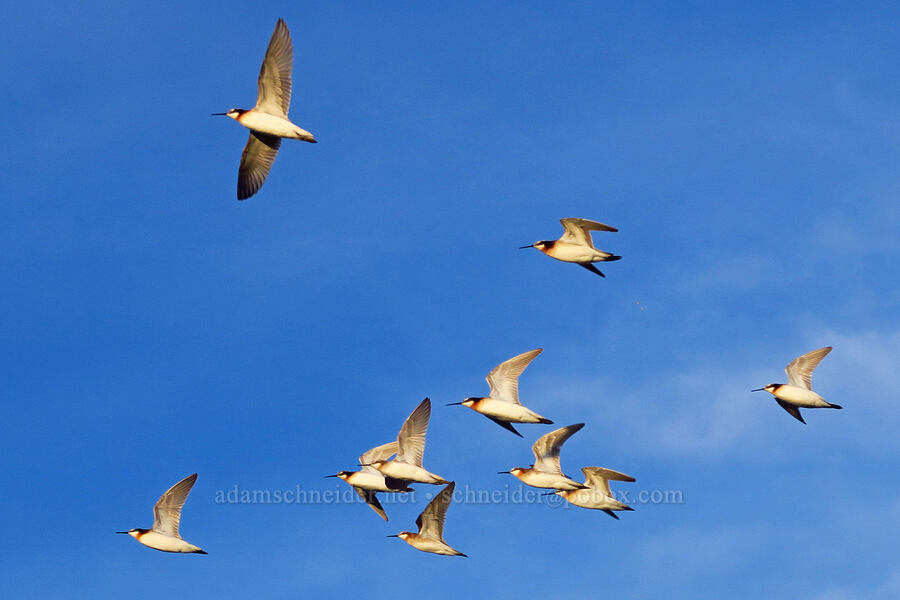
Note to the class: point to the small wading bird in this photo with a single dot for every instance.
(545, 472)
(368, 481)
(598, 496)
(502, 406)
(798, 392)
(576, 245)
(166, 517)
(431, 526)
(268, 121)
(407, 465)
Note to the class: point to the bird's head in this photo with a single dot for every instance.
(542, 245)
(377, 464)
(771, 388)
(403, 535)
(468, 402)
(135, 533)
(342, 475)
(234, 113)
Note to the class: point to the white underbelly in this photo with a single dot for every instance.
(166, 543)
(431, 545)
(507, 411)
(800, 397)
(369, 481)
(399, 470)
(266, 123)
(576, 253)
(593, 499)
(550, 481)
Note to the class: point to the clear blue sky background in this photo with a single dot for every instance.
(153, 326)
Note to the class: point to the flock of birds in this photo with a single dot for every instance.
(392, 467)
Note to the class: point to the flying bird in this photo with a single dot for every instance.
(268, 121)
(576, 245)
(546, 472)
(798, 391)
(430, 537)
(502, 406)
(166, 517)
(598, 495)
(368, 481)
(407, 465)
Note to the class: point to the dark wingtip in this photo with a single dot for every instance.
(613, 257)
(463, 555)
(590, 267)
(546, 421)
(201, 552)
(837, 406)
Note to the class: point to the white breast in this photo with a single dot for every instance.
(799, 396)
(266, 123)
(507, 411)
(166, 543)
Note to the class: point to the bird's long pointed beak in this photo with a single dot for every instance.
(759, 390)
(218, 114)
(395, 535)
(121, 532)
(503, 472)
(454, 404)
(548, 494)
(528, 246)
(327, 476)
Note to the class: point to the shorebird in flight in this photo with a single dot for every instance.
(502, 406)
(598, 495)
(430, 537)
(798, 391)
(268, 121)
(166, 517)
(576, 245)
(368, 481)
(407, 465)
(546, 472)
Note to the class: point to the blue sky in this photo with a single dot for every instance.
(154, 326)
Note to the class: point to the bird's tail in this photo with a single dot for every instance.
(612, 257)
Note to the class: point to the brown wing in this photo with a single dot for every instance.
(372, 500)
(274, 83)
(431, 521)
(546, 448)
(792, 410)
(167, 510)
(256, 161)
(800, 370)
(578, 231)
(411, 440)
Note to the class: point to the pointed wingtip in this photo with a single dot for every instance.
(201, 552)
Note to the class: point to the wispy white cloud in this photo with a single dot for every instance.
(709, 409)
(889, 589)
